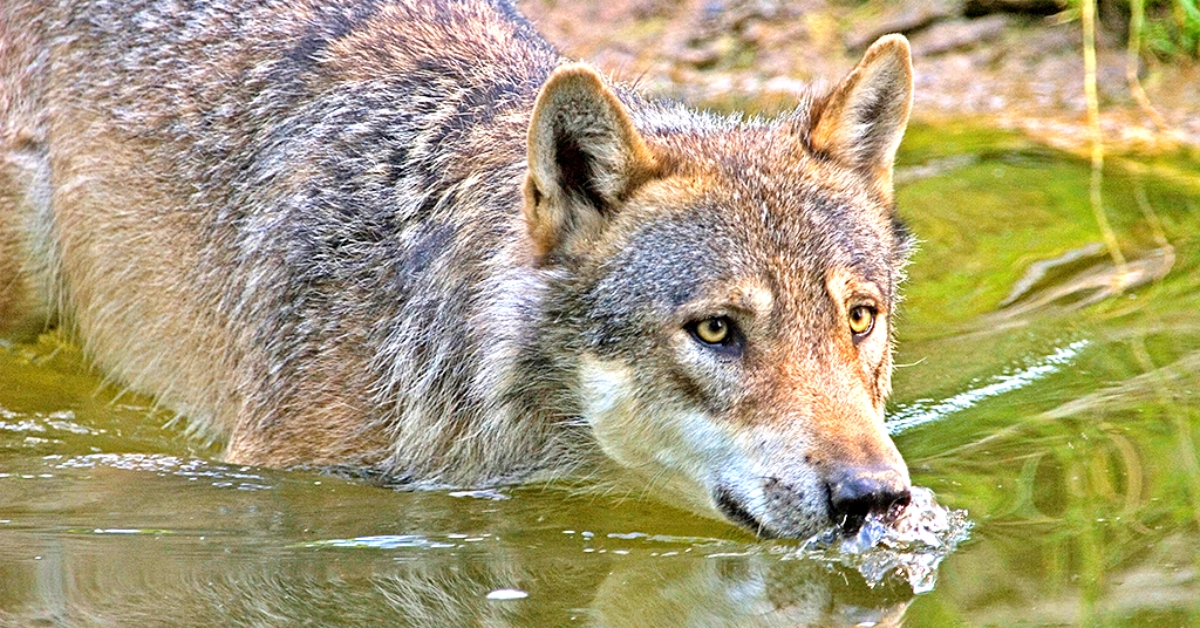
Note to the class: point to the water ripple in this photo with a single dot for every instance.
(927, 411)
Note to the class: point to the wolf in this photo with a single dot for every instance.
(411, 238)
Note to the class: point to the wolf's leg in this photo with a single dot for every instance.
(26, 258)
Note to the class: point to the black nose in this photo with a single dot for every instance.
(855, 493)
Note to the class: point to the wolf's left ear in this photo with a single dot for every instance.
(861, 123)
(585, 157)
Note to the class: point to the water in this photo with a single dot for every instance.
(905, 544)
(1045, 391)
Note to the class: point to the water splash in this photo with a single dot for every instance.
(909, 547)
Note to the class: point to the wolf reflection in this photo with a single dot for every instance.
(73, 588)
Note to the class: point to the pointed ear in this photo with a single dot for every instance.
(585, 157)
(861, 123)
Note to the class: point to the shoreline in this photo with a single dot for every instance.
(1015, 71)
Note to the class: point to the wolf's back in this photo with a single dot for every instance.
(255, 204)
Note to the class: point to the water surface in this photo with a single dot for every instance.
(1049, 392)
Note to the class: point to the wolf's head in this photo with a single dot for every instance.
(730, 288)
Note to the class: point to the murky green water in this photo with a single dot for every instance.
(1062, 413)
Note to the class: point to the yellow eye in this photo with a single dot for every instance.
(862, 320)
(714, 331)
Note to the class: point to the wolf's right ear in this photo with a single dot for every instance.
(585, 157)
(861, 123)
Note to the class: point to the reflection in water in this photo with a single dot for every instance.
(87, 582)
(754, 590)
(144, 589)
(1099, 281)
(921, 412)
(159, 540)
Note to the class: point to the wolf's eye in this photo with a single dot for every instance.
(712, 331)
(862, 321)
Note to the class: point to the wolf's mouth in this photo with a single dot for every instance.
(731, 508)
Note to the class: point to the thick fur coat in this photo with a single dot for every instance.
(411, 238)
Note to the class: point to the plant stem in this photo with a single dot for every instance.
(1137, 20)
(1088, 15)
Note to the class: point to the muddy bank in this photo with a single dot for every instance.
(1015, 63)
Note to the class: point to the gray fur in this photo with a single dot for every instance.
(346, 179)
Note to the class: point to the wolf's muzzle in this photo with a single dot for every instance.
(728, 504)
(856, 492)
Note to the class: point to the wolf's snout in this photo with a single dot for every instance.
(855, 493)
